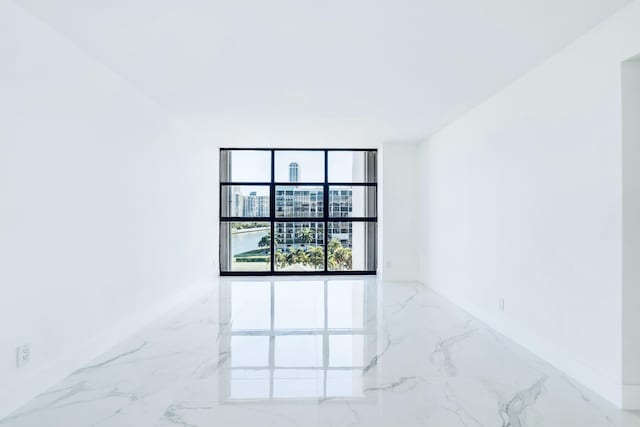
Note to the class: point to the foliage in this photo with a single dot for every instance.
(316, 257)
(280, 259)
(333, 245)
(265, 241)
(305, 235)
(339, 258)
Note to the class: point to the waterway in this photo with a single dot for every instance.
(246, 241)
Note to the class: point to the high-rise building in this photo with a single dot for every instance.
(340, 202)
(294, 171)
(308, 202)
(298, 201)
(238, 205)
(292, 201)
(255, 206)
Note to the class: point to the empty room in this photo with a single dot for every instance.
(298, 213)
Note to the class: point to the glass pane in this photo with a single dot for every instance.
(352, 166)
(299, 305)
(299, 201)
(299, 246)
(299, 166)
(352, 246)
(245, 166)
(245, 246)
(352, 201)
(245, 200)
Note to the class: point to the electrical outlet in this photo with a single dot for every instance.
(501, 304)
(23, 355)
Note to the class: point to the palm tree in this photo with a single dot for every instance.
(301, 256)
(331, 263)
(281, 258)
(340, 256)
(333, 245)
(290, 258)
(265, 241)
(305, 235)
(316, 257)
(348, 261)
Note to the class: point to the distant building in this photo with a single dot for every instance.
(308, 202)
(288, 234)
(238, 205)
(293, 201)
(294, 172)
(255, 206)
(299, 201)
(340, 202)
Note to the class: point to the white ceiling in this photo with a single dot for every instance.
(349, 70)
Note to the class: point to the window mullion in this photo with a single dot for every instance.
(272, 212)
(325, 210)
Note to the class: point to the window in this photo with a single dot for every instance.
(294, 211)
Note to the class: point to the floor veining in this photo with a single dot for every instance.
(319, 352)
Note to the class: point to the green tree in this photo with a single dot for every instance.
(265, 241)
(301, 256)
(341, 257)
(316, 257)
(290, 258)
(348, 262)
(331, 263)
(281, 259)
(305, 235)
(333, 245)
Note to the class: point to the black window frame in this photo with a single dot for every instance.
(272, 219)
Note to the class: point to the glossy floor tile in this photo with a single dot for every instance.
(318, 352)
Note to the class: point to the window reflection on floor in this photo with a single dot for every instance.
(297, 340)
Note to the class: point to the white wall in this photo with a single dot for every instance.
(399, 212)
(107, 207)
(522, 200)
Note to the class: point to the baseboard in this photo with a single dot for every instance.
(602, 384)
(631, 397)
(13, 396)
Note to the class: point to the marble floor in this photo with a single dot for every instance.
(319, 352)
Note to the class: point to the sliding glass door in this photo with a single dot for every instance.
(290, 211)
